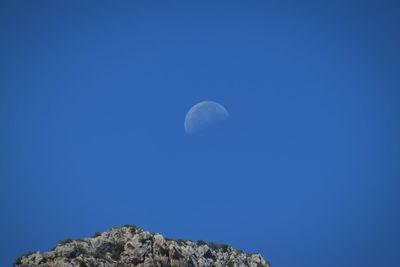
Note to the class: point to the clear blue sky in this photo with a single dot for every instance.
(306, 170)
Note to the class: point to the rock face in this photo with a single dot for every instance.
(131, 246)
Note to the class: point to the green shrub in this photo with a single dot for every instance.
(96, 234)
(213, 245)
(133, 228)
(100, 253)
(117, 249)
(181, 242)
(163, 251)
(209, 255)
(66, 241)
(19, 259)
(216, 246)
(86, 264)
(201, 242)
(78, 250)
(224, 247)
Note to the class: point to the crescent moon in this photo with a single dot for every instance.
(203, 115)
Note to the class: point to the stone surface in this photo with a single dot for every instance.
(131, 246)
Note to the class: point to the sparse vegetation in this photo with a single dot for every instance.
(201, 242)
(86, 264)
(133, 228)
(79, 249)
(29, 253)
(176, 255)
(224, 247)
(101, 251)
(96, 234)
(145, 239)
(209, 255)
(213, 245)
(163, 251)
(117, 249)
(19, 259)
(216, 246)
(66, 241)
(180, 242)
(110, 246)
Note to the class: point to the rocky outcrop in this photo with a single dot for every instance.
(131, 246)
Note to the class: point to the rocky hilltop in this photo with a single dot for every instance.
(131, 246)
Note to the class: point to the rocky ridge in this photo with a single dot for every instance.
(131, 246)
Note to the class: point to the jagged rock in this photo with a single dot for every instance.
(131, 246)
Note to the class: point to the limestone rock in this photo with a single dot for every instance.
(131, 246)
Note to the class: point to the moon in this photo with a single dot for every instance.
(204, 114)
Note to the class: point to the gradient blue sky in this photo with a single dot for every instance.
(306, 170)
